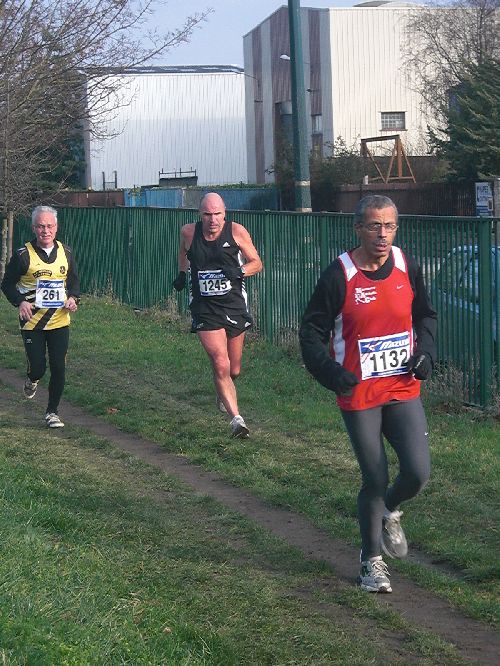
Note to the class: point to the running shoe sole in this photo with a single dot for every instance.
(241, 431)
(54, 421)
(30, 391)
(394, 548)
(368, 588)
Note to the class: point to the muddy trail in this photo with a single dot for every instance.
(475, 641)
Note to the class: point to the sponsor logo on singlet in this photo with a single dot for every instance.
(365, 294)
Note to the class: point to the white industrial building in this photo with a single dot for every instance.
(172, 120)
(355, 82)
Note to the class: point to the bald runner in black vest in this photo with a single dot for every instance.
(219, 255)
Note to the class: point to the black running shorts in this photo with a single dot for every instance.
(234, 324)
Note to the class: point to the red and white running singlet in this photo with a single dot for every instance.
(373, 336)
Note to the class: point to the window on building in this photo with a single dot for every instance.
(317, 123)
(393, 120)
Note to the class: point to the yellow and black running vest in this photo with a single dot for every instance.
(43, 279)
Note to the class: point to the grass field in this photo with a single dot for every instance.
(107, 561)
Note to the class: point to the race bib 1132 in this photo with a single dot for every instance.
(384, 356)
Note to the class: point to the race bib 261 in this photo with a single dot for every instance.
(50, 294)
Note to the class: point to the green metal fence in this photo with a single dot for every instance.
(132, 253)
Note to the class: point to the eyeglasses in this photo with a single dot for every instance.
(375, 227)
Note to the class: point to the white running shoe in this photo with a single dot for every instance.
(53, 421)
(393, 538)
(29, 388)
(239, 427)
(374, 575)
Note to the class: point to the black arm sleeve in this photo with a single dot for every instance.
(423, 313)
(72, 281)
(17, 266)
(318, 322)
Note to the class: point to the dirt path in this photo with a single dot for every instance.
(475, 641)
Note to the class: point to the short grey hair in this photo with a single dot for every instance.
(42, 209)
(376, 201)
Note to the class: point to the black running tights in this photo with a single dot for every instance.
(37, 344)
(405, 427)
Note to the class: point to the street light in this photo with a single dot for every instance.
(284, 56)
(257, 86)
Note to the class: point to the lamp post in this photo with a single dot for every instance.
(302, 183)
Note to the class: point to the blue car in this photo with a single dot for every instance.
(456, 288)
(468, 311)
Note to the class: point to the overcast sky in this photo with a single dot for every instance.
(219, 40)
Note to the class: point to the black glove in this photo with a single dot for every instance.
(233, 272)
(180, 281)
(342, 380)
(420, 364)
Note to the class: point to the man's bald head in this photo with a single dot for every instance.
(212, 201)
(213, 215)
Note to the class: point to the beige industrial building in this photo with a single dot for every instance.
(355, 84)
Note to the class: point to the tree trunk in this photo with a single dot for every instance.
(3, 257)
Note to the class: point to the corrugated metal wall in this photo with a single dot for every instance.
(315, 62)
(366, 47)
(171, 122)
(154, 198)
(255, 198)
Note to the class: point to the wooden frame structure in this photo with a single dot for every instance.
(398, 157)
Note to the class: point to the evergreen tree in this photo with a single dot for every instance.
(472, 143)
(443, 39)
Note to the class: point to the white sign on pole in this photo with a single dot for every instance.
(484, 200)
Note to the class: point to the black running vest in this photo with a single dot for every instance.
(210, 290)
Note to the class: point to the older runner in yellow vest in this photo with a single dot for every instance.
(41, 280)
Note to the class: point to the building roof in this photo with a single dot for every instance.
(171, 69)
(384, 3)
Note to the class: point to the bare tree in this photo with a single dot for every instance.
(55, 79)
(443, 41)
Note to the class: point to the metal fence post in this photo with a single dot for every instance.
(485, 313)
(268, 280)
(129, 254)
(323, 243)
